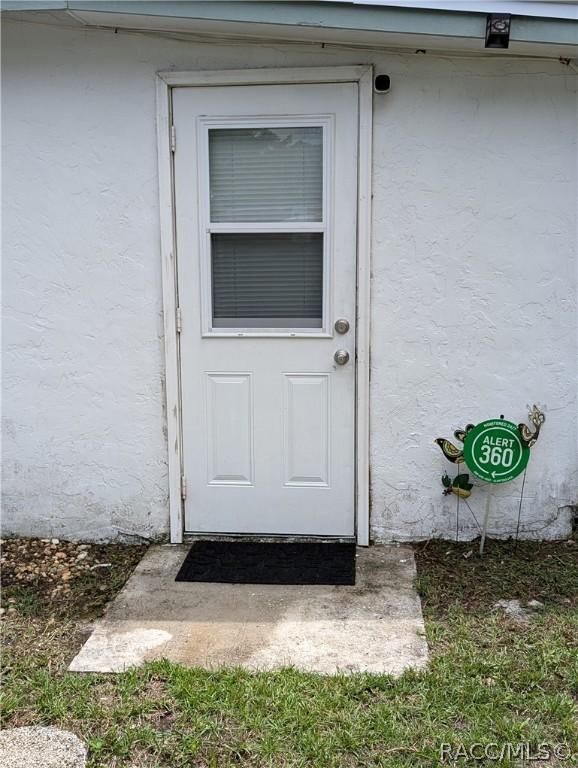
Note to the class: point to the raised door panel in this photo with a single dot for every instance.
(229, 409)
(306, 429)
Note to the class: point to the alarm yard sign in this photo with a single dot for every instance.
(494, 452)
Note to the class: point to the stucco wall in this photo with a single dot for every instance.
(473, 295)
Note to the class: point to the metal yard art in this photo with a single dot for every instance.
(495, 451)
(460, 485)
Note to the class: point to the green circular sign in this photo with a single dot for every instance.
(494, 452)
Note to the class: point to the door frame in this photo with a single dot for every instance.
(165, 82)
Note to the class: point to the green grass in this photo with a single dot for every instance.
(489, 680)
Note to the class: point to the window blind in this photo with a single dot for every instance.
(267, 280)
(266, 174)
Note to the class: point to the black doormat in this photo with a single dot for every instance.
(250, 562)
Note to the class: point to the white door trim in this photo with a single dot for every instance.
(165, 82)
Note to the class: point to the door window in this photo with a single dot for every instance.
(265, 211)
(267, 280)
(266, 174)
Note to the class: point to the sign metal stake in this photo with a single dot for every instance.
(458, 509)
(520, 508)
(485, 524)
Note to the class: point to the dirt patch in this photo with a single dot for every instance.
(51, 591)
(450, 574)
(49, 576)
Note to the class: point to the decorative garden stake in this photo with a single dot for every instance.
(495, 451)
(460, 485)
(537, 418)
(456, 456)
(449, 450)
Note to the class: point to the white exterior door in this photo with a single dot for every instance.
(265, 200)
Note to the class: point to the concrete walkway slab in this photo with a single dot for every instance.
(45, 747)
(374, 626)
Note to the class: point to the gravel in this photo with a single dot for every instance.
(54, 563)
(41, 747)
(62, 578)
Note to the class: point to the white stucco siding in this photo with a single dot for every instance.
(85, 453)
(473, 291)
(474, 288)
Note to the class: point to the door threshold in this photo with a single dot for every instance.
(190, 538)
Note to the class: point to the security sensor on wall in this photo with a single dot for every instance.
(382, 83)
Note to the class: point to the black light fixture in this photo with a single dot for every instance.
(498, 30)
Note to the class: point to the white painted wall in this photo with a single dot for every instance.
(474, 278)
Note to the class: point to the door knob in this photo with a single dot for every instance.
(341, 325)
(341, 356)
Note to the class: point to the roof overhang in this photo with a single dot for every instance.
(345, 23)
